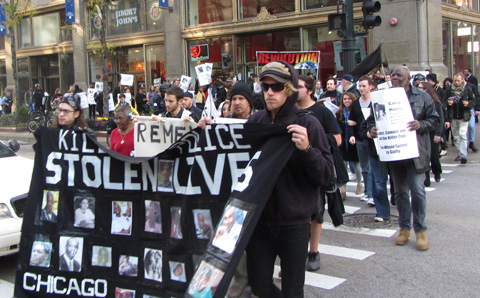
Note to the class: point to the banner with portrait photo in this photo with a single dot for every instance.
(172, 225)
(392, 112)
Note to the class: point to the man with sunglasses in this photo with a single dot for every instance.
(284, 226)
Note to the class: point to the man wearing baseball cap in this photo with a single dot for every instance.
(348, 85)
(284, 226)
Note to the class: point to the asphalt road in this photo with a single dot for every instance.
(358, 262)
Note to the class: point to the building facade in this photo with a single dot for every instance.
(153, 43)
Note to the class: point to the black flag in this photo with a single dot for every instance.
(373, 60)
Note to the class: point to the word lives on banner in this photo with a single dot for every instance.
(100, 224)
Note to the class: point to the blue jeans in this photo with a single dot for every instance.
(407, 181)
(362, 151)
(290, 244)
(471, 127)
(379, 184)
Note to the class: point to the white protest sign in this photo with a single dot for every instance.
(153, 136)
(83, 100)
(204, 73)
(111, 105)
(332, 107)
(99, 86)
(128, 98)
(127, 79)
(185, 82)
(91, 96)
(392, 112)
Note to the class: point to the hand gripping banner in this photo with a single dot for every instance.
(99, 224)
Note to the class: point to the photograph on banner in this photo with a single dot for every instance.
(70, 253)
(84, 215)
(122, 218)
(101, 256)
(392, 112)
(205, 281)
(128, 265)
(152, 263)
(153, 217)
(41, 254)
(229, 228)
(177, 271)
(203, 223)
(185, 82)
(126, 80)
(204, 73)
(153, 136)
(176, 223)
(99, 86)
(49, 206)
(165, 175)
(124, 293)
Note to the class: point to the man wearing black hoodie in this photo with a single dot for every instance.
(284, 226)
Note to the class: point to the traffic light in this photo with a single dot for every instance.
(371, 21)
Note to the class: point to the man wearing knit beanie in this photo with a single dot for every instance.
(241, 99)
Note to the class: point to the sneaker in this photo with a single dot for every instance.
(378, 219)
(438, 178)
(463, 160)
(443, 152)
(364, 198)
(352, 177)
(457, 158)
(371, 202)
(313, 263)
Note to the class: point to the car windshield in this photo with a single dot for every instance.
(5, 152)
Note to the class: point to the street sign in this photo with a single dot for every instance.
(163, 3)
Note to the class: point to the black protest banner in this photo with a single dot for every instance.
(98, 224)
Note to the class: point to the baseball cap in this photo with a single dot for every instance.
(277, 71)
(348, 77)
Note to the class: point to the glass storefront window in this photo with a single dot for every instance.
(312, 4)
(67, 76)
(251, 8)
(155, 59)
(46, 29)
(154, 16)
(287, 40)
(208, 11)
(124, 17)
(220, 54)
(461, 37)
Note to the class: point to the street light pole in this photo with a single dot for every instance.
(348, 41)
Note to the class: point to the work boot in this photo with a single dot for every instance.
(403, 237)
(473, 147)
(422, 241)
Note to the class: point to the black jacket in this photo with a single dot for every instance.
(294, 197)
(458, 110)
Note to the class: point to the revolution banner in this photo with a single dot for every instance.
(299, 60)
(100, 224)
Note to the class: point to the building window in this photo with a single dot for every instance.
(312, 4)
(2, 42)
(220, 53)
(40, 30)
(209, 11)
(154, 16)
(251, 8)
(124, 17)
(155, 59)
(286, 40)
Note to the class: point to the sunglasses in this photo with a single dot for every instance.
(275, 87)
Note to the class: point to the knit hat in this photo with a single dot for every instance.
(242, 88)
(188, 94)
(72, 100)
(348, 77)
(432, 77)
(277, 71)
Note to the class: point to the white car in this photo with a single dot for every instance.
(15, 176)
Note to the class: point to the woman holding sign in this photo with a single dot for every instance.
(121, 139)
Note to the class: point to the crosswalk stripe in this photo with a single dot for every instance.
(386, 233)
(344, 252)
(6, 288)
(317, 280)
(348, 209)
(446, 171)
(450, 164)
